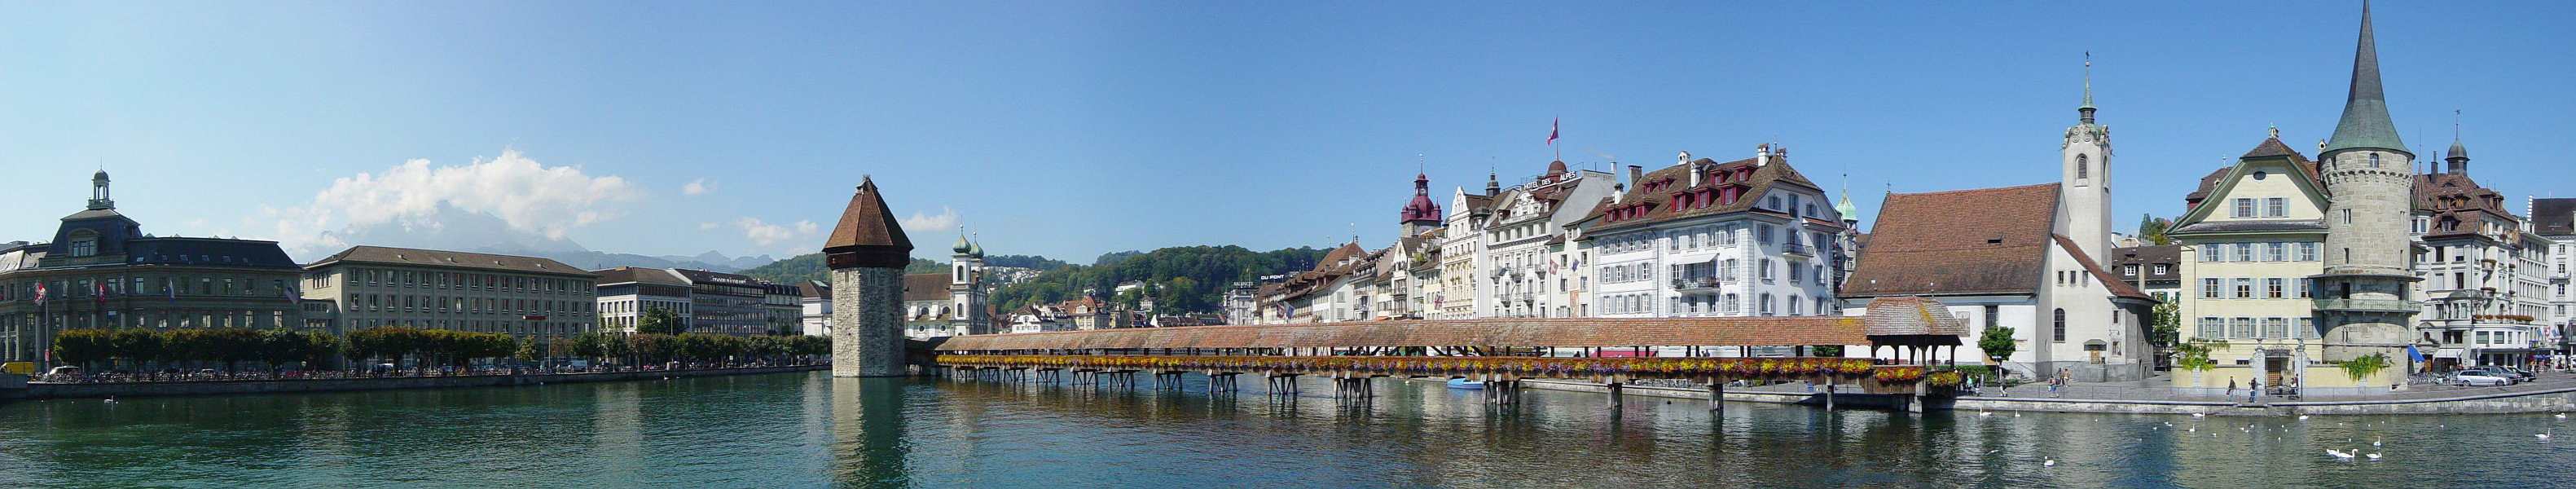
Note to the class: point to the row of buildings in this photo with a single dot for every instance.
(101, 271)
(2283, 267)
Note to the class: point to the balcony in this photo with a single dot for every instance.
(2368, 305)
(1797, 249)
(1694, 283)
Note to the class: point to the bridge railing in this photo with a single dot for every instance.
(1706, 369)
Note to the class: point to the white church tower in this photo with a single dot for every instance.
(2084, 182)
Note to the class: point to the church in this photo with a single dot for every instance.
(2027, 258)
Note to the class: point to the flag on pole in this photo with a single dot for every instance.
(1551, 132)
(40, 293)
(99, 290)
(171, 292)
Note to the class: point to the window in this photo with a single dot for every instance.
(2208, 288)
(1795, 272)
(2244, 208)
(2244, 252)
(2244, 288)
(1762, 234)
(2129, 270)
(2083, 168)
(2061, 326)
(1766, 270)
(2212, 328)
(2307, 252)
(2276, 252)
(1766, 304)
(2272, 288)
(1990, 315)
(1793, 306)
(2244, 328)
(2276, 327)
(2212, 253)
(2162, 269)
(2276, 207)
(2303, 288)
(2307, 328)
(2374, 160)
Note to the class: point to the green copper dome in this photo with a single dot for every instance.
(1846, 209)
(962, 246)
(2365, 122)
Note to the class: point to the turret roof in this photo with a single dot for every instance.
(2365, 122)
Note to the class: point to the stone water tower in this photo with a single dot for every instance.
(867, 253)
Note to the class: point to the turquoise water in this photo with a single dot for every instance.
(810, 430)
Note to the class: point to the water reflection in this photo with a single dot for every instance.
(809, 430)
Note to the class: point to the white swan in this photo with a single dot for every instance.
(2199, 415)
(2373, 456)
(2303, 417)
(2374, 443)
(2338, 455)
(2048, 463)
(2562, 415)
(1985, 414)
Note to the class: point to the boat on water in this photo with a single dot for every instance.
(1466, 384)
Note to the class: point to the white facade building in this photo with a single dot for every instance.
(1748, 237)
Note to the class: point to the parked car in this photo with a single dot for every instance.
(2522, 374)
(2480, 378)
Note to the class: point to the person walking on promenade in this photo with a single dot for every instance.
(2231, 387)
(2253, 389)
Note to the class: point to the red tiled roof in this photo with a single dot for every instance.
(2109, 281)
(1586, 332)
(868, 234)
(1659, 201)
(1991, 240)
(925, 287)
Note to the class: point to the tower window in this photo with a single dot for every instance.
(2083, 167)
(2374, 160)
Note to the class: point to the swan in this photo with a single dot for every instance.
(2199, 415)
(2562, 415)
(2338, 455)
(2303, 417)
(1985, 414)
(2373, 456)
(2048, 463)
(2374, 443)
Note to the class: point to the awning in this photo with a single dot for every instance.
(2447, 353)
(2413, 354)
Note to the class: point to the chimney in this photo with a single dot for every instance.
(1694, 174)
(1635, 172)
(1762, 155)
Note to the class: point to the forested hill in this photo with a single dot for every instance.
(795, 271)
(1182, 279)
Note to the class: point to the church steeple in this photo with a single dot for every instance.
(2365, 122)
(2085, 112)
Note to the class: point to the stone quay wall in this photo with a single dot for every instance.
(41, 390)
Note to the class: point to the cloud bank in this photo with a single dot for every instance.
(496, 203)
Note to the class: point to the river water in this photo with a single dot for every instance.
(811, 430)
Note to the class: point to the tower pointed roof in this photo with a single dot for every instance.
(1846, 209)
(2365, 122)
(962, 245)
(868, 234)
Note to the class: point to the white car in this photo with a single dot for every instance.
(2480, 378)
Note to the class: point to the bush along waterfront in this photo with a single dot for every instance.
(150, 353)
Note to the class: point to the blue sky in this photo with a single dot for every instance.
(1069, 128)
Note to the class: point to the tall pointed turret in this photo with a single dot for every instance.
(867, 253)
(2364, 304)
(2365, 121)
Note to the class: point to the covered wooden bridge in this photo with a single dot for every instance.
(1499, 352)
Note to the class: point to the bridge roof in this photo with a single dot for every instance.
(1564, 332)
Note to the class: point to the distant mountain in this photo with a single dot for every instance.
(599, 260)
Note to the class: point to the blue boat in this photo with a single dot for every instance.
(1472, 385)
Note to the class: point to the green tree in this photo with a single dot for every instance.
(656, 320)
(529, 350)
(2164, 325)
(586, 345)
(138, 345)
(2152, 230)
(1997, 342)
(84, 347)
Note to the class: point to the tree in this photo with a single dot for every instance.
(2152, 230)
(84, 347)
(140, 346)
(586, 345)
(1997, 342)
(658, 320)
(529, 350)
(2164, 325)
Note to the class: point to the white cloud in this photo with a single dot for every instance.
(707, 225)
(764, 234)
(920, 222)
(806, 227)
(697, 187)
(509, 200)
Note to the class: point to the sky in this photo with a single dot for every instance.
(1073, 128)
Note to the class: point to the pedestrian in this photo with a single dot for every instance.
(2231, 387)
(2255, 387)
